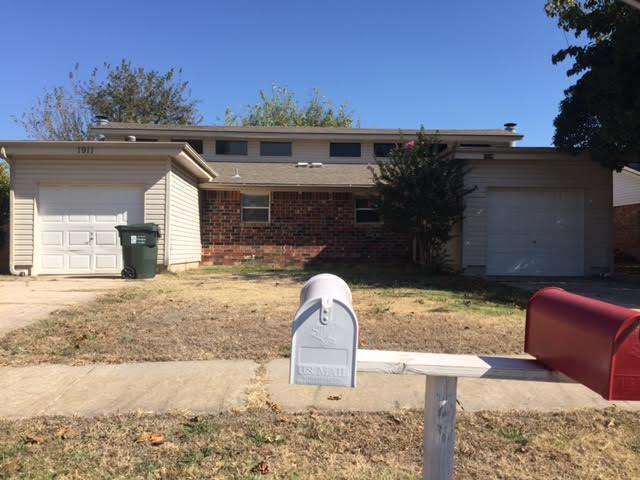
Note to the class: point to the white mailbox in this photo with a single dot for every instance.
(324, 340)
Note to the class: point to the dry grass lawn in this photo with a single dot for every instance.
(247, 312)
(589, 445)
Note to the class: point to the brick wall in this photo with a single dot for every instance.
(305, 227)
(626, 227)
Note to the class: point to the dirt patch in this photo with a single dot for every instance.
(266, 444)
(229, 314)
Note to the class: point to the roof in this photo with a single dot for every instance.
(182, 153)
(300, 132)
(332, 175)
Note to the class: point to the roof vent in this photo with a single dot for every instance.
(236, 175)
(302, 164)
(130, 138)
(100, 137)
(315, 164)
(101, 120)
(510, 126)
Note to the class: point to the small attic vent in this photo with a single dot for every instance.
(302, 164)
(316, 164)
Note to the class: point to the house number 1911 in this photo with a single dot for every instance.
(85, 150)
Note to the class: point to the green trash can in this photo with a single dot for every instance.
(139, 249)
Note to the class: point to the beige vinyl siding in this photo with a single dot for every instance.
(27, 174)
(626, 188)
(301, 151)
(553, 173)
(184, 218)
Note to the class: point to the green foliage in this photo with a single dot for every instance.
(123, 93)
(421, 192)
(282, 109)
(4, 192)
(132, 94)
(601, 111)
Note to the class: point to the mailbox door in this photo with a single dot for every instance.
(324, 344)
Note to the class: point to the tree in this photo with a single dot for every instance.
(60, 114)
(601, 111)
(421, 188)
(132, 94)
(4, 198)
(122, 93)
(282, 109)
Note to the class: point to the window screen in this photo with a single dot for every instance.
(231, 147)
(255, 208)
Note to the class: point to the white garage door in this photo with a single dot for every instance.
(76, 227)
(535, 232)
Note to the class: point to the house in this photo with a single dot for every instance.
(224, 195)
(626, 211)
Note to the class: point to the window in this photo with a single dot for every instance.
(195, 144)
(146, 139)
(383, 149)
(344, 150)
(231, 147)
(255, 208)
(275, 149)
(367, 211)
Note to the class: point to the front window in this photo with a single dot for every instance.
(255, 208)
(275, 149)
(381, 150)
(231, 147)
(344, 150)
(367, 210)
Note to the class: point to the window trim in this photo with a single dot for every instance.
(356, 209)
(345, 143)
(290, 154)
(246, 150)
(255, 193)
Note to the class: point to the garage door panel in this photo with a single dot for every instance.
(52, 238)
(107, 238)
(535, 232)
(78, 239)
(106, 262)
(80, 262)
(78, 226)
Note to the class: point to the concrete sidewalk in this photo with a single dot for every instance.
(219, 385)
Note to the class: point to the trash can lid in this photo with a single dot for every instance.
(145, 227)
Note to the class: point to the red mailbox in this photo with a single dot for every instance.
(593, 342)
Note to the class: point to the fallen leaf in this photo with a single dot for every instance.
(262, 468)
(66, 432)
(10, 468)
(151, 437)
(334, 397)
(34, 439)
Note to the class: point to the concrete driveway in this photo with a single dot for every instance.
(27, 300)
(624, 293)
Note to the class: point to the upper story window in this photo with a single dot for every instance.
(344, 150)
(146, 139)
(383, 149)
(367, 210)
(231, 147)
(255, 208)
(275, 149)
(195, 144)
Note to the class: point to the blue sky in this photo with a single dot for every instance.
(441, 64)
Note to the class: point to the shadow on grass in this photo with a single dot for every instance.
(388, 277)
